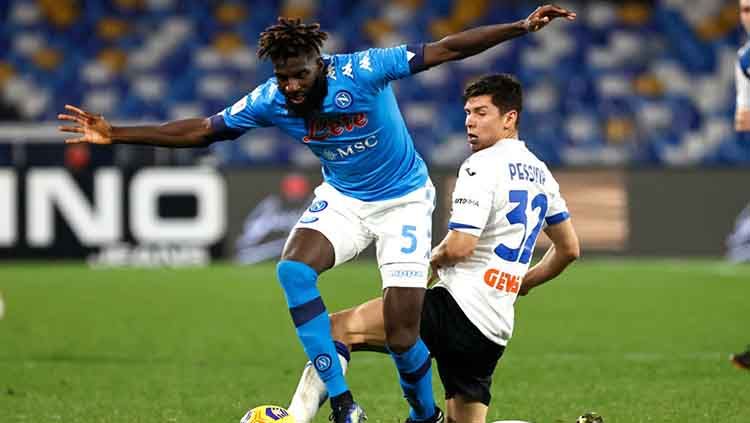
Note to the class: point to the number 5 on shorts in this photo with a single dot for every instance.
(408, 232)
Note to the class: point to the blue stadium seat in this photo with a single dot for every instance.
(590, 80)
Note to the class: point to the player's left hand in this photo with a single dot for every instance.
(543, 15)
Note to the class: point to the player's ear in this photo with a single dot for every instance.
(509, 119)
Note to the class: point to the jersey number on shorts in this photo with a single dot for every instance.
(520, 215)
(407, 231)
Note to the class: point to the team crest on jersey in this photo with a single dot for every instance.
(343, 99)
(308, 219)
(318, 206)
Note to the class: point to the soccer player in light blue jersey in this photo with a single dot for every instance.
(375, 188)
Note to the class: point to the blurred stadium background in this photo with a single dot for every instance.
(629, 83)
(632, 106)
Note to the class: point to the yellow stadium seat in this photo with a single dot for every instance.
(227, 42)
(648, 85)
(230, 14)
(47, 59)
(377, 28)
(114, 59)
(634, 13)
(60, 13)
(411, 4)
(6, 72)
(619, 130)
(129, 5)
(112, 28)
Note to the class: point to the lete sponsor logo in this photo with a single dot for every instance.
(325, 127)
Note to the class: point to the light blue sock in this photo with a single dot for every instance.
(312, 322)
(414, 371)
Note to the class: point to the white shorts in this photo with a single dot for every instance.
(401, 228)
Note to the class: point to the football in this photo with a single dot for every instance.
(267, 414)
(590, 418)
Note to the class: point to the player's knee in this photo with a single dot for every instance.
(401, 339)
(340, 328)
(295, 275)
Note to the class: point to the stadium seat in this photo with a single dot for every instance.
(649, 77)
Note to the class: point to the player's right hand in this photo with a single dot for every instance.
(95, 129)
(433, 275)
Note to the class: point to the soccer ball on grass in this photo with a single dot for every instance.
(267, 414)
(590, 418)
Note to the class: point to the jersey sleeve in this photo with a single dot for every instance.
(557, 209)
(472, 200)
(247, 113)
(380, 66)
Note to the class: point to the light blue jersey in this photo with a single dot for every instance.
(360, 135)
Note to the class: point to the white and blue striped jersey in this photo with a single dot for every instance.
(360, 136)
(505, 196)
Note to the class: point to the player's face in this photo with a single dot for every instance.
(485, 125)
(297, 78)
(745, 14)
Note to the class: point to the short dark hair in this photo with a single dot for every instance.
(290, 38)
(505, 90)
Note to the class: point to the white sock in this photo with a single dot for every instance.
(311, 393)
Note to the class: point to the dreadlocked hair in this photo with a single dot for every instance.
(290, 38)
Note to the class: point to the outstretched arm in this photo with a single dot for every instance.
(96, 130)
(474, 41)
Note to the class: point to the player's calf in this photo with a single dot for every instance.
(312, 322)
(402, 311)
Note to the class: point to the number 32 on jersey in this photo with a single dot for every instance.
(522, 214)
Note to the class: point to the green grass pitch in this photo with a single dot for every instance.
(635, 340)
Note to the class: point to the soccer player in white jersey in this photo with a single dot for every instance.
(742, 74)
(742, 122)
(504, 196)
